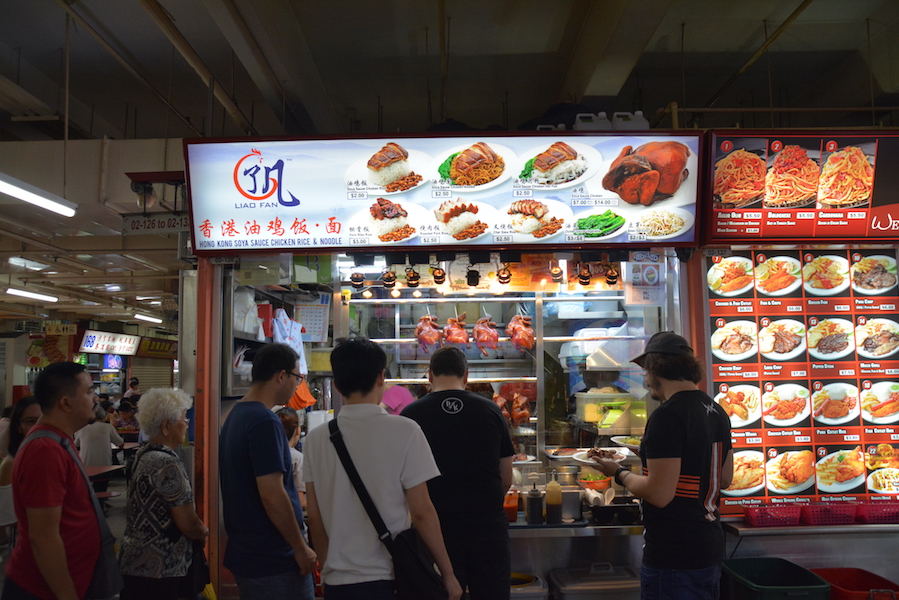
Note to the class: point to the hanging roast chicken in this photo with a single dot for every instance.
(485, 335)
(648, 173)
(454, 331)
(428, 332)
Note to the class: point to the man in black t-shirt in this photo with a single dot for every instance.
(687, 459)
(473, 449)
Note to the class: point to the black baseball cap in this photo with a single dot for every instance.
(665, 342)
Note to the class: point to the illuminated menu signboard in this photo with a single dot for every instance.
(803, 186)
(805, 360)
(418, 192)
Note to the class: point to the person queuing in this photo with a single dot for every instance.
(23, 417)
(290, 419)
(161, 520)
(59, 535)
(687, 459)
(395, 463)
(266, 551)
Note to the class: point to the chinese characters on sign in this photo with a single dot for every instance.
(103, 342)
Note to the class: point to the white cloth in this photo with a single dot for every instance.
(296, 462)
(392, 455)
(7, 510)
(93, 443)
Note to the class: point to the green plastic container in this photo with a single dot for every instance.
(770, 579)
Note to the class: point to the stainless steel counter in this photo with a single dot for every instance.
(743, 529)
(555, 531)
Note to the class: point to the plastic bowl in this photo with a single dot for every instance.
(595, 484)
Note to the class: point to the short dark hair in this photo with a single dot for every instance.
(125, 406)
(673, 367)
(103, 397)
(449, 361)
(289, 420)
(356, 364)
(55, 381)
(133, 382)
(15, 420)
(271, 360)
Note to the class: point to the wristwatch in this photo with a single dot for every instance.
(618, 475)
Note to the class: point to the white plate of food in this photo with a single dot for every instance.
(400, 222)
(749, 474)
(882, 456)
(460, 220)
(663, 223)
(530, 220)
(836, 403)
(560, 453)
(491, 163)
(841, 471)
(791, 472)
(874, 274)
(735, 341)
(884, 481)
(631, 442)
(599, 224)
(573, 163)
(877, 339)
(731, 277)
(524, 459)
(783, 339)
(831, 339)
(880, 404)
(742, 403)
(616, 454)
(388, 169)
(826, 275)
(786, 405)
(778, 276)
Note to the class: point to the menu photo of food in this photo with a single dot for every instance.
(785, 405)
(391, 170)
(840, 471)
(463, 220)
(742, 403)
(782, 339)
(730, 276)
(476, 167)
(600, 224)
(880, 403)
(830, 338)
(734, 341)
(387, 222)
(882, 460)
(875, 274)
(651, 172)
(749, 474)
(790, 472)
(740, 177)
(876, 338)
(529, 220)
(559, 165)
(825, 275)
(777, 275)
(835, 403)
(663, 223)
(792, 178)
(847, 177)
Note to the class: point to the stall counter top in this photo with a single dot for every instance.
(741, 528)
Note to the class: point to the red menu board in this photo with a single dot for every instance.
(805, 360)
(803, 186)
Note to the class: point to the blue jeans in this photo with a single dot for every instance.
(676, 584)
(289, 586)
(368, 590)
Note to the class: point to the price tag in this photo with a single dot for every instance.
(798, 374)
(794, 308)
(357, 195)
(358, 241)
(750, 375)
(636, 237)
(744, 309)
(848, 372)
(852, 438)
(753, 440)
(752, 230)
(430, 239)
(805, 215)
(841, 307)
(574, 238)
(441, 194)
(522, 193)
(803, 439)
(502, 239)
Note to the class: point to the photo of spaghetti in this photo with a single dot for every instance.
(476, 165)
(847, 179)
(792, 180)
(739, 179)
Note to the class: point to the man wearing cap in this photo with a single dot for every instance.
(687, 459)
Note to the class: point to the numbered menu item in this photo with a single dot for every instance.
(877, 338)
(739, 179)
(836, 404)
(830, 338)
(883, 462)
(732, 276)
(742, 403)
(778, 275)
(792, 179)
(880, 404)
(847, 179)
(791, 472)
(735, 341)
(841, 471)
(783, 339)
(874, 274)
(749, 473)
(785, 405)
(826, 275)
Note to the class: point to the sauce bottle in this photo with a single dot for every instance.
(535, 506)
(553, 501)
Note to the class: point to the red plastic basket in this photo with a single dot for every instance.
(878, 512)
(771, 515)
(829, 513)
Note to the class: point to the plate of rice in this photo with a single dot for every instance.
(528, 220)
(491, 165)
(459, 220)
(400, 175)
(570, 163)
(664, 223)
(398, 222)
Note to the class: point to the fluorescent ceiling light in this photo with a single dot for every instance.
(141, 317)
(37, 196)
(111, 370)
(31, 265)
(32, 295)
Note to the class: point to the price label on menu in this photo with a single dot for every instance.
(357, 195)
(441, 193)
(430, 239)
(522, 193)
(502, 239)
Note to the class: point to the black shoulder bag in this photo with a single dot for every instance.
(107, 579)
(415, 572)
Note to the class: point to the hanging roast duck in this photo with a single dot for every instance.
(648, 173)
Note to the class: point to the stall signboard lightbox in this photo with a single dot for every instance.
(104, 342)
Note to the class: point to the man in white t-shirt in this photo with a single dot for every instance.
(395, 463)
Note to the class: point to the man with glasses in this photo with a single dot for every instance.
(267, 550)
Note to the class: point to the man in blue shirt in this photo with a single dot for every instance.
(266, 550)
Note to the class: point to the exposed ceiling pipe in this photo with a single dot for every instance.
(122, 61)
(193, 59)
(95, 279)
(444, 59)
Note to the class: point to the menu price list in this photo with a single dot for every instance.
(805, 361)
(801, 186)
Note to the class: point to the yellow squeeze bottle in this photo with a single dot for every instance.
(553, 501)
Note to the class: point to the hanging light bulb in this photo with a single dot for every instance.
(584, 276)
(357, 280)
(611, 275)
(473, 277)
(395, 293)
(367, 294)
(504, 275)
(389, 279)
(557, 274)
(416, 294)
(439, 276)
(412, 278)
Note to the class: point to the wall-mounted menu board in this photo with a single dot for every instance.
(803, 186)
(418, 192)
(805, 360)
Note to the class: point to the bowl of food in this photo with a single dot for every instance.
(589, 481)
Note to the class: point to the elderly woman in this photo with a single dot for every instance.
(161, 520)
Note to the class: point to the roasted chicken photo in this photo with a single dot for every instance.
(650, 172)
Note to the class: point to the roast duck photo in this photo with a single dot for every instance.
(648, 173)
(429, 333)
